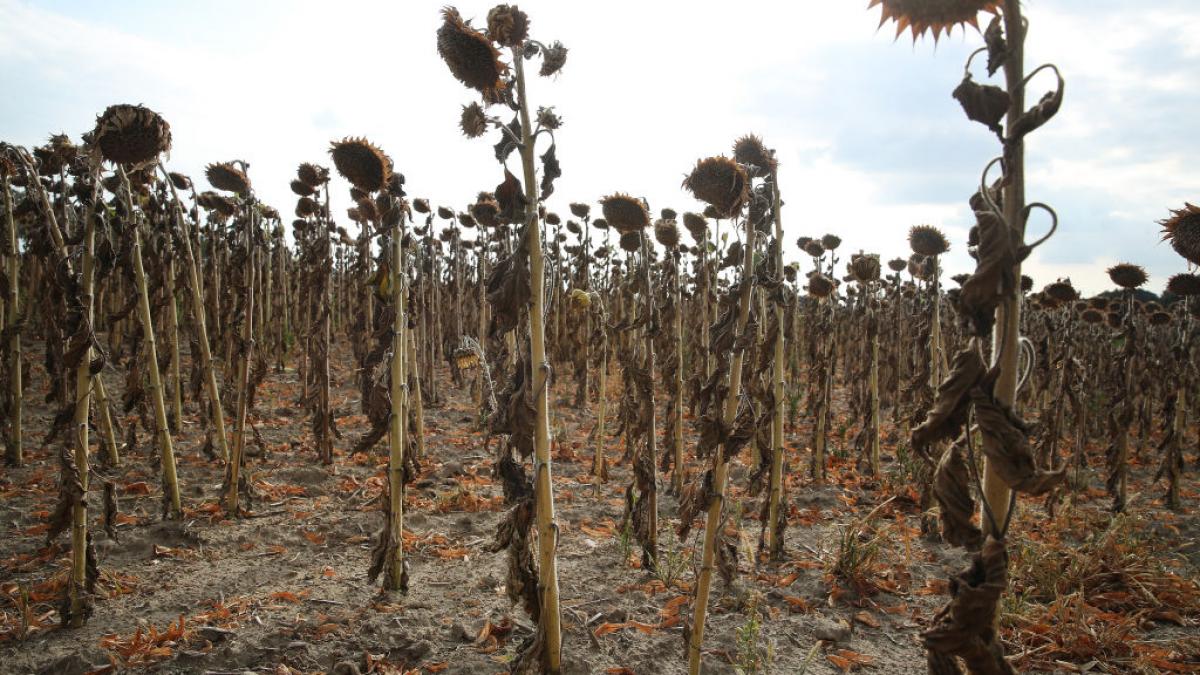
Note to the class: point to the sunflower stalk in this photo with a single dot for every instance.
(199, 325)
(14, 452)
(233, 487)
(173, 506)
(547, 529)
(720, 468)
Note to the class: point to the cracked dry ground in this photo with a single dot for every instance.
(284, 589)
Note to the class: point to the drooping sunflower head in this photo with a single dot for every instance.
(666, 232)
(473, 121)
(927, 240)
(936, 16)
(820, 286)
(1187, 285)
(1182, 229)
(831, 242)
(750, 152)
(720, 182)
(864, 267)
(1127, 275)
(696, 224)
(131, 134)
(364, 165)
(470, 55)
(229, 177)
(897, 264)
(625, 213)
(1062, 291)
(631, 241)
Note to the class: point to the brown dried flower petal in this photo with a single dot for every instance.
(937, 16)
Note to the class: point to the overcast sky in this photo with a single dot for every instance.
(869, 139)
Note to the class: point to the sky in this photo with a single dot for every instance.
(869, 140)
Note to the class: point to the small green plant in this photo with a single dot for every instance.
(670, 565)
(751, 656)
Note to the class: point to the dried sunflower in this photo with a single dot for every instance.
(1160, 318)
(666, 232)
(1187, 285)
(131, 134)
(471, 56)
(814, 248)
(507, 25)
(228, 177)
(1092, 316)
(750, 152)
(897, 264)
(820, 286)
(625, 213)
(312, 175)
(720, 182)
(1062, 291)
(927, 240)
(554, 57)
(1182, 229)
(831, 242)
(364, 165)
(180, 181)
(696, 225)
(1127, 275)
(580, 210)
(631, 240)
(938, 16)
(301, 189)
(473, 121)
(864, 267)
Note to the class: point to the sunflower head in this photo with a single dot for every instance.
(696, 225)
(820, 286)
(1062, 291)
(364, 165)
(831, 242)
(631, 241)
(1182, 229)
(445, 213)
(625, 213)
(486, 210)
(936, 16)
(228, 177)
(1092, 316)
(471, 56)
(720, 182)
(600, 224)
(1187, 285)
(1127, 275)
(131, 134)
(580, 210)
(473, 121)
(180, 181)
(864, 267)
(750, 152)
(814, 248)
(312, 175)
(666, 232)
(927, 240)
(507, 25)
